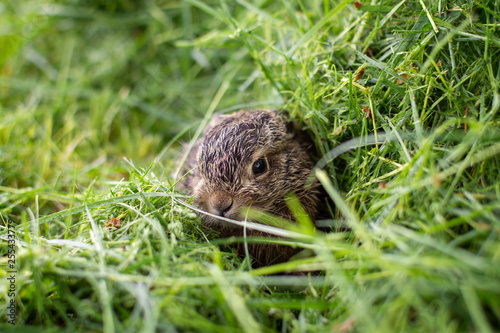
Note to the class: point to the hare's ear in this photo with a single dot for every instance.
(285, 117)
(284, 114)
(291, 126)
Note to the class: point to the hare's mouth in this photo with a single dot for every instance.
(225, 227)
(221, 214)
(230, 211)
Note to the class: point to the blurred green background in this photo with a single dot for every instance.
(86, 83)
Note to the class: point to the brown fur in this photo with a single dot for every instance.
(221, 177)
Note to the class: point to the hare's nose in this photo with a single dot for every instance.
(221, 203)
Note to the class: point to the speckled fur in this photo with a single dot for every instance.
(221, 172)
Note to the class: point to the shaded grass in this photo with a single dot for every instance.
(86, 83)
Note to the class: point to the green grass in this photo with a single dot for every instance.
(94, 96)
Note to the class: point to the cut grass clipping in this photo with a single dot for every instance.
(400, 97)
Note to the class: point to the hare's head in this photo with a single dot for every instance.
(249, 160)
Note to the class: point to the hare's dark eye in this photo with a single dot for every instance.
(259, 166)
